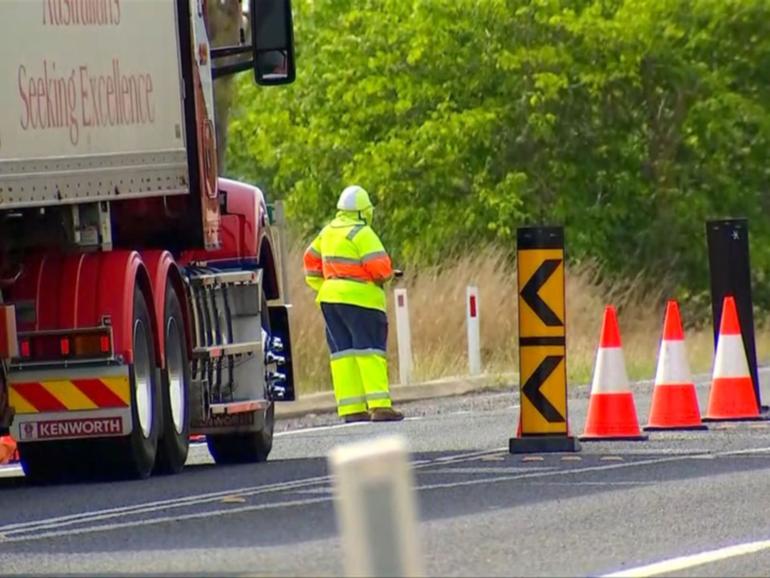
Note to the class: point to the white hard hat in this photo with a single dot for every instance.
(354, 198)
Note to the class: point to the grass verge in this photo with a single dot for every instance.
(437, 315)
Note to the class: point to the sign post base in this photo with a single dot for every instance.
(543, 444)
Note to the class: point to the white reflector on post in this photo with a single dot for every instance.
(472, 323)
(403, 336)
(376, 508)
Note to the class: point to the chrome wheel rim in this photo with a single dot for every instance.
(142, 377)
(175, 368)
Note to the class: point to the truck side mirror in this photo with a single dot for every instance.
(272, 40)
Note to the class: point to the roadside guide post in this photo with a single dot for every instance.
(543, 423)
(376, 508)
(472, 323)
(404, 337)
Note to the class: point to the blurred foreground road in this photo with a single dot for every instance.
(484, 512)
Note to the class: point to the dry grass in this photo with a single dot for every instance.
(436, 306)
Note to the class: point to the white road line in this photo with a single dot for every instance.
(542, 473)
(486, 470)
(600, 484)
(189, 501)
(135, 523)
(578, 470)
(5, 537)
(310, 430)
(686, 562)
(463, 457)
(8, 537)
(160, 505)
(293, 503)
(321, 428)
(743, 452)
(455, 459)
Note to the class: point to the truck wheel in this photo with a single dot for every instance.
(253, 446)
(175, 433)
(132, 456)
(138, 450)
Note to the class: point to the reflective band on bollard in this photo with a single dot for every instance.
(376, 508)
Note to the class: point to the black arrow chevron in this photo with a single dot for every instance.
(530, 293)
(531, 389)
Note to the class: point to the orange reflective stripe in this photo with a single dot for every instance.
(338, 269)
(312, 262)
(378, 266)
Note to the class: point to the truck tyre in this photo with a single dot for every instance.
(249, 447)
(132, 456)
(136, 452)
(174, 441)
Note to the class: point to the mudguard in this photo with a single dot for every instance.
(162, 269)
(279, 326)
(61, 292)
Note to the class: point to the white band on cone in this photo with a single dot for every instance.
(610, 371)
(731, 357)
(672, 364)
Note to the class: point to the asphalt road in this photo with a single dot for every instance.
(689, 500)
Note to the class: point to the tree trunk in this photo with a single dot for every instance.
(224, 25)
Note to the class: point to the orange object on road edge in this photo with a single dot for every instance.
(611, 409)
(9, 452)
(674, 397)
(732, 394)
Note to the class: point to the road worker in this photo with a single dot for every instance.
(348, 266)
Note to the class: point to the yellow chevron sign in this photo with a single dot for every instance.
(542, 342)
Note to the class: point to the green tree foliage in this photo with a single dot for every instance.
(631, 122)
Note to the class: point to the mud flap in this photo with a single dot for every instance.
(279, 327)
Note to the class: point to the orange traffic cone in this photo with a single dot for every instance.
(732, 390)
(674, 398)
(611, 409)
(8, 451)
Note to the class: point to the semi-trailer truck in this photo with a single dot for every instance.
(140, 295)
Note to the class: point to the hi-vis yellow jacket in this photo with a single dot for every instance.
(346, 263)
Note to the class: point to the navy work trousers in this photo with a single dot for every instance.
(357, 338)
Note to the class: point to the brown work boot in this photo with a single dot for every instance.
(386, 414)
(356, 417)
